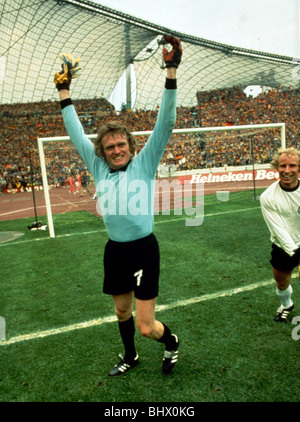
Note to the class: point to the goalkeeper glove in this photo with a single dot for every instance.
(172, 58)
(70, 70)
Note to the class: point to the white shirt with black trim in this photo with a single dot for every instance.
(281, 211)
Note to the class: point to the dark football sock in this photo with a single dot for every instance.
(167, 338)
(127, 330)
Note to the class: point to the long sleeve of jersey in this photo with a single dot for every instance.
(281, 211)
(126, 197)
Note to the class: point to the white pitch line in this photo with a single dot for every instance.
(105, 320)
(208, 215)
(171, 220)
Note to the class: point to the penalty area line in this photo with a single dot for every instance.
(171, 220)
(109, 319)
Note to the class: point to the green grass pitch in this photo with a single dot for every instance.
(216, 293)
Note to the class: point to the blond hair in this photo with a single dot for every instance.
(286, 151)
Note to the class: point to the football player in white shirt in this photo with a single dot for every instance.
(280, 204)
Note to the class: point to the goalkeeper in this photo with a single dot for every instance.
(131, 256)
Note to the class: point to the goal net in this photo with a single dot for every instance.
(193, 158)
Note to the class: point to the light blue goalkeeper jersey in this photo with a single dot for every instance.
(126, 197)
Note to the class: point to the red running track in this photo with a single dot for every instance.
(21, 205)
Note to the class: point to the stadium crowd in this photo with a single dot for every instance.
(22, 124)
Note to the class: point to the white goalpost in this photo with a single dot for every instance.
(42, 142)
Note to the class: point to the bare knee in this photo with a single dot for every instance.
(152, 330)
(123, 306)
(282, 285)
(145, 329)
(146, 323)
(282, 279)
(123, 314)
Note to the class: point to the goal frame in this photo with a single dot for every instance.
(42, 141)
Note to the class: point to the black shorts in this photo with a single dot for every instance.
(132, 266)
(282, 261)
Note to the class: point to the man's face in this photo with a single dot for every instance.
(116, 150)
(288, 168)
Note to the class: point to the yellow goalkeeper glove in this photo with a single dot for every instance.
(70, 70)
